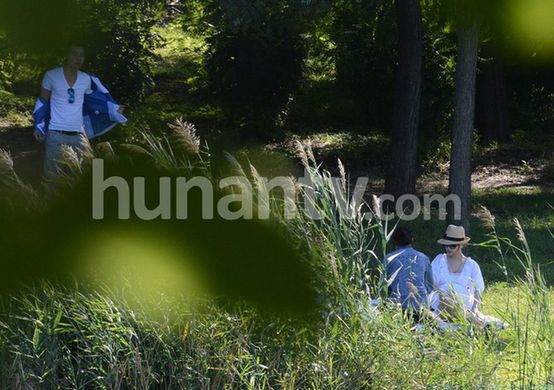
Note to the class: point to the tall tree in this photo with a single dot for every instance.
(464, 117)
(491, 116)
(401, 175)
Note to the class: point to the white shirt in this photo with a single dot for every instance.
(464, 283)
(64, 115)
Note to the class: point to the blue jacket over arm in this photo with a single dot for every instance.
(100, 113)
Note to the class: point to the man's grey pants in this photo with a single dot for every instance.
(53, 151)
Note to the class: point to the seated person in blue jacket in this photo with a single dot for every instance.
(409, 274)
(64, 88)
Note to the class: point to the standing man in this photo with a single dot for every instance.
(58, 115)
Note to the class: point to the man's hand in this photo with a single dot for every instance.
(120, 109)
(38, 136)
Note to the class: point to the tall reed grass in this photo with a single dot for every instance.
(72, 338)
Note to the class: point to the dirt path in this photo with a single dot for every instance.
(495, 176)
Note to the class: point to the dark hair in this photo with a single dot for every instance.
(74, 44)
(402, 236)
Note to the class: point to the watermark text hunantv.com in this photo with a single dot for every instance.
(241, 200)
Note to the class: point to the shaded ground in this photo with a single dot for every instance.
(493, 169)
(361, 155)
(27, 154)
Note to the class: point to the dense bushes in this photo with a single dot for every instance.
(365, 53)
(116, 34)
(255, 58)
(120, 42)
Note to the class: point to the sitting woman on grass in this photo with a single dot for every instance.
(458, 280)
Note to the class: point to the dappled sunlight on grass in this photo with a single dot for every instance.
(348, 145)
(178, 47)
(510, 303)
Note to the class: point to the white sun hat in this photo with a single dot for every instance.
(454, 235)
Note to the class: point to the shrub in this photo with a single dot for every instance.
(255, 59)
(116, 34)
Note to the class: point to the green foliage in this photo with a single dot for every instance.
(66, 338)
(438, 80)
(365, 55)
(532, 101)
(116, 34)
(271, 275)
(255, 58)
(120, 44)
(341, 229)
(193, 18)
(40, 27)
(6, 68)
(10, 103)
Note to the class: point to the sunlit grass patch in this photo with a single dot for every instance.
(349, 145)
(178, 50)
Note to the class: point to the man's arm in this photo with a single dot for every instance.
(45, 94)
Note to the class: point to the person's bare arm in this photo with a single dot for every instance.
(45, 94)
(477, 301)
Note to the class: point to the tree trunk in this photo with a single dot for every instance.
(401, 175)
(463, 122)
(491, 117)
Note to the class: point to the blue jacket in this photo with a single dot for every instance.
(99, 112)
(410, 277)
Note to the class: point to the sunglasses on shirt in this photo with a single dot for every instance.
(71, 93)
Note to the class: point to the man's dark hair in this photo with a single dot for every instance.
(71, 45)
(402, 236)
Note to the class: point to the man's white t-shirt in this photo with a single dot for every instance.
(63, 114)
(464, 283)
